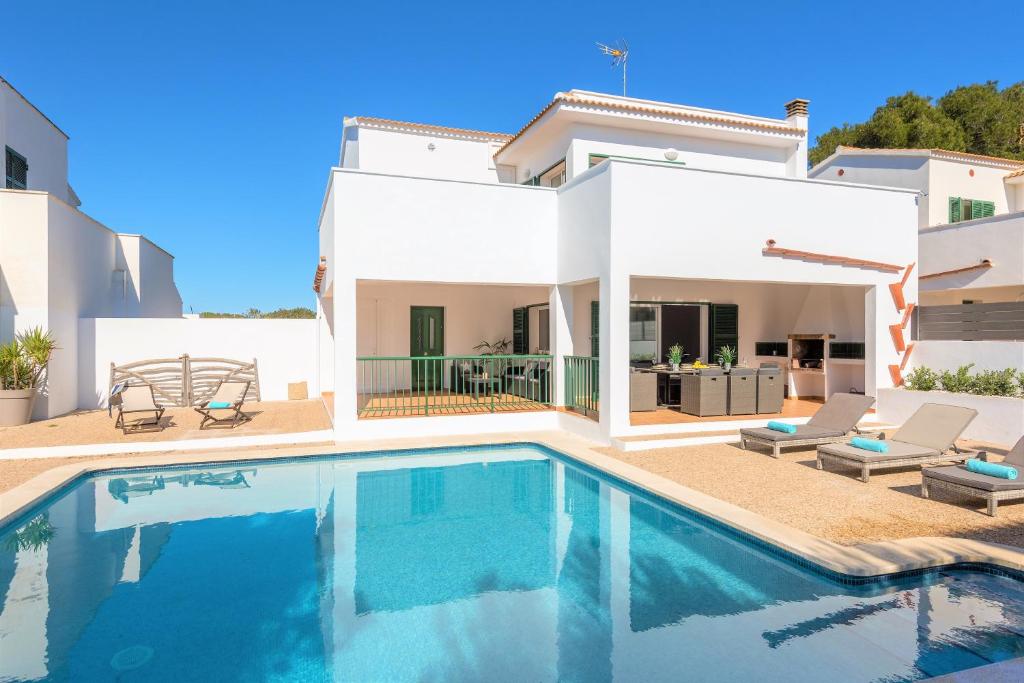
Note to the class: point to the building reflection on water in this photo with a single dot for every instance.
(446, 567)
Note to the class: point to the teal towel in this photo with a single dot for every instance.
(218, 404)
(992, 469)
(782, 427)
(875, 445)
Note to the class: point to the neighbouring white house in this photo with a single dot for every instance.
(58, 265)
(971, 217)
(970, 270)
(605, 231)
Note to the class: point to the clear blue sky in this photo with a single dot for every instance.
(210, 127)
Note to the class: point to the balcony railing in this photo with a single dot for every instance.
(399, 386)
(582, 381)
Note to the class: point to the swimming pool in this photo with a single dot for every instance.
(490, 563)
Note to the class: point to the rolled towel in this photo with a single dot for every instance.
(869, 444)
(781, 427)
(218, 404)
(992, 469)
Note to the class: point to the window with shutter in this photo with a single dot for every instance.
(954, 209)
(16, 171)
(724, 327)
(595, 328)
(520, 330)
(982, 209)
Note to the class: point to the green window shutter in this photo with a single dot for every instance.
(954, 209)
(724, 327)
(16, 170)
(976, 208)
(986, 209)
(595, 328)
(520, 330)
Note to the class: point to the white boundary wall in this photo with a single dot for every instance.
(985, 355)
(283, 349)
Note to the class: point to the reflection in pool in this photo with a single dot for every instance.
(498, 563)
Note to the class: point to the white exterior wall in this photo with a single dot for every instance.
(30, 134)
(473, 313)
(415, 229)
(283, 349)
(953, 179)
(408, 153)
(937, 179)
(58, 265)
(694, 152)
(999, 239)
(985, 355)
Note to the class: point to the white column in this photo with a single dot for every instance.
(614, 352)
(879, 353)
(560, 313)
(345, 371)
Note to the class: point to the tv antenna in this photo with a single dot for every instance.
(619, 55)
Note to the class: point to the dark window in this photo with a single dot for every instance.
(17, 171)
(846, 350)
(771, 348)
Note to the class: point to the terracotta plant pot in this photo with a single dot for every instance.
(16, 406)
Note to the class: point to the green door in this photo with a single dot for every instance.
(426, 338)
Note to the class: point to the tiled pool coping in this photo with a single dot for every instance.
(871, 563)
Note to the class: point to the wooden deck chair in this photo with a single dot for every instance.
(225, 406)
(134, 400)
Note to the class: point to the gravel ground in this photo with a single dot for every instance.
(829, 504)
(95, 426)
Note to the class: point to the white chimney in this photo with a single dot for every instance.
(796, 115)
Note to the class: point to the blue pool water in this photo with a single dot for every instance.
(500, 563)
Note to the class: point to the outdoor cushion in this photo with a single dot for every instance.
(781, 427)
(961, 475)
(992, 469)
(218, 404)
(876, 445)
(842, 412)
(802, 432)
(897, 451)
(935, 425)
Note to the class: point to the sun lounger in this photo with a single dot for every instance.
(959, 479)
(225, 406)
(136, 400)
(833, 421)
(927, 437)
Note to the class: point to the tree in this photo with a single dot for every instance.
(298, 312)
(978, 118)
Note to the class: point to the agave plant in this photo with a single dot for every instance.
(23, 361)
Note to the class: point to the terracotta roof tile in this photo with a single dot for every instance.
(431, 128)
(570, 98)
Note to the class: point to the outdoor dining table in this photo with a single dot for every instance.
(668, 375)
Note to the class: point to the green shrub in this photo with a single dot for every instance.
(996, 383)
(959, 382)
(1008, 382)
(922, 379)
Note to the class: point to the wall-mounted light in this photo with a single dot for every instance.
(431, 146)
(671, 154)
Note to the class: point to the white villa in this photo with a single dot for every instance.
(58, 265)
(604, 231)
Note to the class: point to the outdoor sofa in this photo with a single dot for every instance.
(927, 437)
(958, 479)
(831, 423)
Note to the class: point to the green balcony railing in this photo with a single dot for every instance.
(398, 386)
(582, 382)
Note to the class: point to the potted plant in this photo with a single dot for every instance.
(496, 348)
(675, 356)
(726, 357)
(22, 366)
